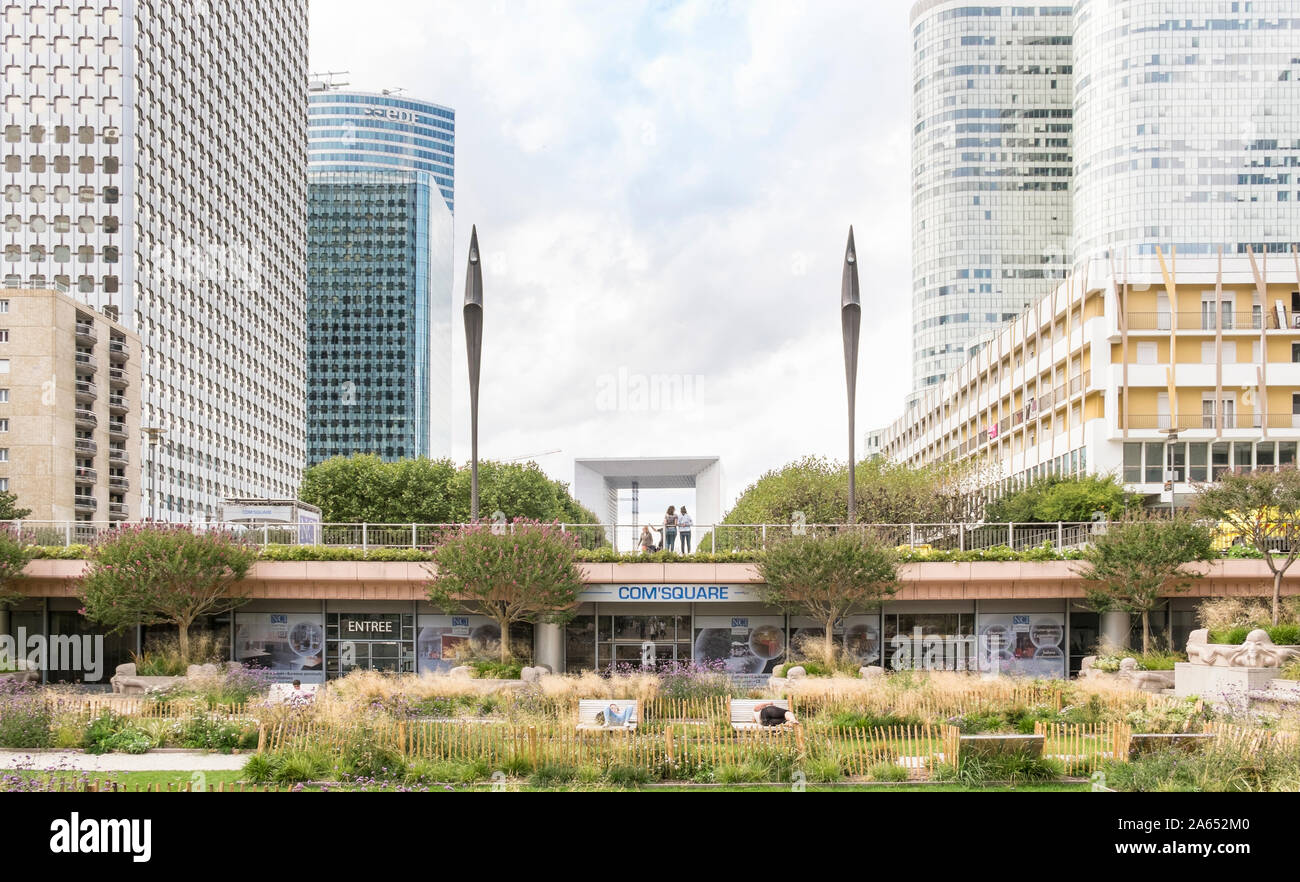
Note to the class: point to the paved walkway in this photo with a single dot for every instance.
(184, 761)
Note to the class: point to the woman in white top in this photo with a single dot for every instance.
(684, 524)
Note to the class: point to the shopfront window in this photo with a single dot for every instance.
(939, 641)
(580, 644)
(628, 640)
(79, 660)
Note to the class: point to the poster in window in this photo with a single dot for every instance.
(748, 647)
(1025, 645)
(290, 645)
(445, 642)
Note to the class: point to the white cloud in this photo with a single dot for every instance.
(666, 189)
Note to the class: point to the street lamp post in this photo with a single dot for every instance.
(1170, 437)
(155, 434)
(850, 324)
(473, 316)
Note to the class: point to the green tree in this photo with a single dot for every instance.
(1260, 509)
(887, 493)
(828, 577)
(365, 489)
(14, 556)
(1056, 498)
(525, 572)
(1138, 560)
(9, 510)
(153, 575)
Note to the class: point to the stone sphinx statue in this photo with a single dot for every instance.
(1258, 651)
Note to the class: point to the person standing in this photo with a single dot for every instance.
(670, 528)
(684, 524)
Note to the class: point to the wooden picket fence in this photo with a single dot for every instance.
(917, 748)
(1252, 740)
(1083, 747)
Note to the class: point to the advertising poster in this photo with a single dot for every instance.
(442, 642)
(749, 647)
(290, 645)
(1026, 645)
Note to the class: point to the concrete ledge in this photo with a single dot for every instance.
(1002, 745)
(1146, 742)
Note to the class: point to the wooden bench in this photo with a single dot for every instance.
(588, 708)
(742, 712)
(282, 693)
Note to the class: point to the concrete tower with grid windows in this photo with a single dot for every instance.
(155, 170)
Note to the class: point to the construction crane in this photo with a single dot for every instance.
(535, 455)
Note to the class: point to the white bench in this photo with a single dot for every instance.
(282, 693)
(588, 708)
(742, 712)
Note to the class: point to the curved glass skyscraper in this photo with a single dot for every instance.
(1185, 118)
(379, 275)
(991, 168)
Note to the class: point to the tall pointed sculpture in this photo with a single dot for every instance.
(473, 315)
(851, 322)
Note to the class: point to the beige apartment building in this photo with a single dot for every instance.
(69, 409)
(1161, 369)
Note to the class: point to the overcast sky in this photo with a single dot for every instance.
(663, 189)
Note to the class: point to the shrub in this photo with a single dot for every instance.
(1015, 768)
(628, 776)
(823, 770)
(551, 774)
(298, 766)
(733, 773)
(24, 716)
(489, 669)
(204, 732)
(887, 772)
(100, 732)
(1219, 767)
(683, 680)
(258, 769)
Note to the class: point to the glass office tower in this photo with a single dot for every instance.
(379, 276)
(991, 168)
(1185, 120)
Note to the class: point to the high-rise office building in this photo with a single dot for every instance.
(991, 166)
(155, 169)
(1185, 117)
(379, 275)
(1169, 354)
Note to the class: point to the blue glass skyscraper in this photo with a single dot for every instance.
(379, 275)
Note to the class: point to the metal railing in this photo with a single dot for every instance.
(1200, 321)
(625, 538)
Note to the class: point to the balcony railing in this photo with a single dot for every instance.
(86, 390)
(118, 482)
(1164, 422)
(117, 429)
(84, 503)
(86, 473)
(86, 362)
(117, 403)
(117, 510)
(619, 537)
(86, 333)
(1200, 321)
(117, 378)
(85, 445)
(117, 351)
(118, 455)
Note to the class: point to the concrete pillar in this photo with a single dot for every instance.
(1114, 629)
(548, 646)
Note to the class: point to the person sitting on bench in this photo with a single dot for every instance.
(769, 714)
(615, 718)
